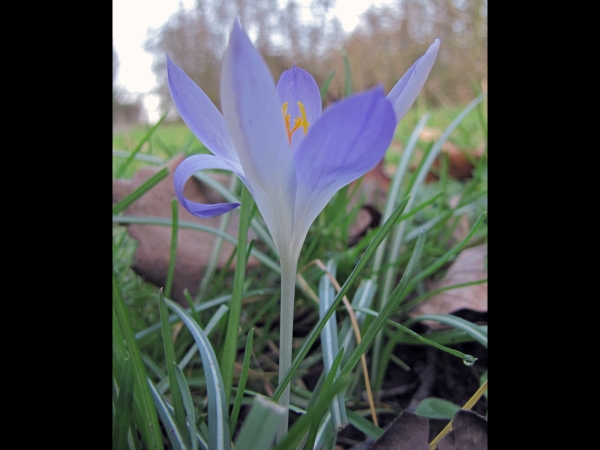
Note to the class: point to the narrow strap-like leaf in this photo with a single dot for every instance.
(218, 425)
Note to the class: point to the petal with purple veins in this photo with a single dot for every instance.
(348, 140)
(252, 110)
(404, 94)
(200, 114)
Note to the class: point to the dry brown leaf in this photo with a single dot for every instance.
(469, 432)
(459, 165)
(194, 247)
(470, 265)
(407, 431)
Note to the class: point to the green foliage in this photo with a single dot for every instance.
(206, 377)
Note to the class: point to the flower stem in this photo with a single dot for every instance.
(286, 324)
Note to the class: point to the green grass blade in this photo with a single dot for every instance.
(218, 426)
(329, 343)
(124, 406)
(173, 254)
(239, 396)
(416, 185)
(418, 337)
(173, 432)
(325, 86)
(141, 190)
(139, 147)
(446, 257)
(362, 299)
(404, 162)
(203, 307)
(348, 89)
(396, 185)
(149, 427)
(190, 302)
(444, 337)
(119, 355)
(156, 160)
(332, 374)
(445, 215)
(170, 362)
(188, 403)
(388, 308)
(325, 427)
(235, 306)
(434, 292)
(475, 331)
(301, 426)
(436, 408)
(199, 437)
(312, 337)
(207, 330)
(362, 424)
(260, 427)
(209, 272)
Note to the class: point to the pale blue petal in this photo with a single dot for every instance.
(297, 85)
(185, 170)
(252, 110)
(407, 89)
(348, 140)
(200, 114)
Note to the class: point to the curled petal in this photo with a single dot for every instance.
(297, 85)
(407, 89)
(348, 140)
(185, 170)
(200, 114)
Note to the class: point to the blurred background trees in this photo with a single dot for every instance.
(386, 43)
(126, 110)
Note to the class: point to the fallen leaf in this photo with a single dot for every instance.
(469, 266)
(469, 432)
(459, 165)
(194, 248)
(407, 432)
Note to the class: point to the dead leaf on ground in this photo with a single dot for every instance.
(469, 432)
(469, 266)
(407, 431)
(459, 165)
(194, 248)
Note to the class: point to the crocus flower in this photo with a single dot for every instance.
(291, 157)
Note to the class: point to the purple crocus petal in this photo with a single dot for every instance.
(347, 141)
(200, 114)
(297, 85)
(252, 110)
(407, 89)
(186, 169)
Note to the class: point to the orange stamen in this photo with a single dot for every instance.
(298, 122)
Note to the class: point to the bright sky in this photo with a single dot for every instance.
(133, 18)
